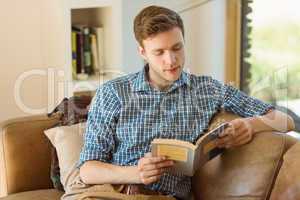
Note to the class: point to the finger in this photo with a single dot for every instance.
(225, 140)
(222, 142)
(148, 155)
(240, 136)
(226, 132)
(155, 172)
(148, 161)
(168, 163)
(152, 160)
(243, 139)
(150, 180)
(240, 131)
(236, 123)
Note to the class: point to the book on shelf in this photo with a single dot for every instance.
(99, 32)
(94, 50)
(88, 68)
(74, 55)
(87, 51)
(189, 157)
(79, 50)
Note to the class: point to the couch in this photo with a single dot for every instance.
(266, 168)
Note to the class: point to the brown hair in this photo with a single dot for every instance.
(153, 20)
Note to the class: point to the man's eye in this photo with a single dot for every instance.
(158, 53)
(177, 48)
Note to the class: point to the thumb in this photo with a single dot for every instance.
(236, 123)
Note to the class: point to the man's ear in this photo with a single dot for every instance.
(142, 52)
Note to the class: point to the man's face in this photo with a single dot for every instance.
(165, 54)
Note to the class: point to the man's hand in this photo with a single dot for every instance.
(151, 168)
(239, 132)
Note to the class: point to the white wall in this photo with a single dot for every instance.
(205, 38)
(205, 35)
(31, 38)
(132, 62)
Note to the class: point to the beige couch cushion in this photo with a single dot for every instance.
(49, 194)
(287, 185)
(68, 141)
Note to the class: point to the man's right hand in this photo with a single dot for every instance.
(152, 168)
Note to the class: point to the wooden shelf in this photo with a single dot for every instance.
(92, 83)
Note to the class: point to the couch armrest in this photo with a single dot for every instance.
(25, 154)
(245, 172)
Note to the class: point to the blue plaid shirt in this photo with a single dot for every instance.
(127, 114)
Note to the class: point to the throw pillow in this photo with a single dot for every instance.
(68, 141)
(72, 110)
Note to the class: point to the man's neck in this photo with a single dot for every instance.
(160, 87)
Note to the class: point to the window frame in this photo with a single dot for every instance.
(237, 70)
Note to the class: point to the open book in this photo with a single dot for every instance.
(189, 157)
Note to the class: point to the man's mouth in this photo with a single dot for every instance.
(173, 70)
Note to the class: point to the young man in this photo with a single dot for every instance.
(162, 101)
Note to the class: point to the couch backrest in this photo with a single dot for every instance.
(25, 154)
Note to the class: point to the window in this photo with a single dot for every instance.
(270, 46)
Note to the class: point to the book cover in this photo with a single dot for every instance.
(87, 51)
(74, 55)
(79, 53)
(99, 32)
(94, 50)
(189, 157)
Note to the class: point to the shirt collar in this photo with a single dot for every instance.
(141, 83)
(184, 79)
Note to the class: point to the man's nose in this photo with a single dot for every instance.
(170, 58)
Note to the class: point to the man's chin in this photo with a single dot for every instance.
(172, 78)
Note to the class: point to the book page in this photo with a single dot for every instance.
(209, 146)
(213, 134)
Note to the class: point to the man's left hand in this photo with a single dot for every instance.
(239, 132)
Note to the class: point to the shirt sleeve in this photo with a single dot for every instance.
(99, 137)
(236, 101)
